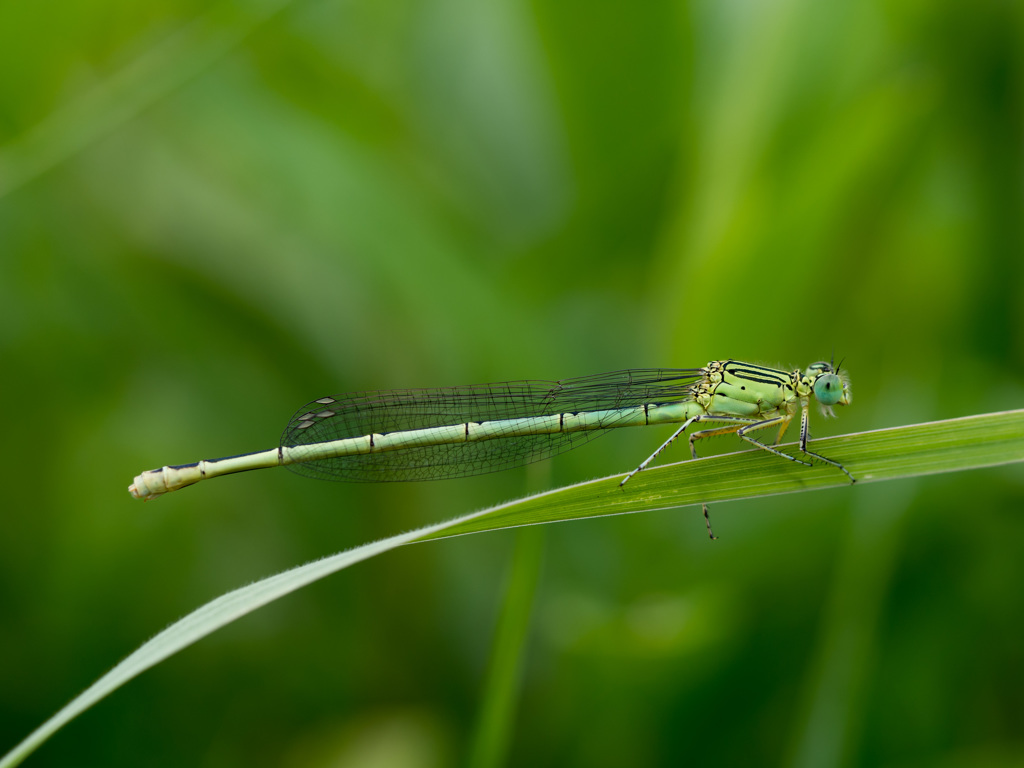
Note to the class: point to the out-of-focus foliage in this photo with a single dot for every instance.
(212, 213)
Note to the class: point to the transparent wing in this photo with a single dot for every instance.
(380, 412)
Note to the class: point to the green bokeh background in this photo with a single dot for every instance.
(211, 214)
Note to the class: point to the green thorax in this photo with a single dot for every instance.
(736, 388)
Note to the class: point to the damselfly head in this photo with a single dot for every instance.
(830, 387)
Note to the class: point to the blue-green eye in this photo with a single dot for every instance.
(828, 389)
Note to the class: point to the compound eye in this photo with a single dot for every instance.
(828, 389)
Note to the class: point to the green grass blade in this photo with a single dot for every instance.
(971, 442)
(496, 716)
(196, 625)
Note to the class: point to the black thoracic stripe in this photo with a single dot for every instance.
(729, 363)
(758, 374)
(758, 379)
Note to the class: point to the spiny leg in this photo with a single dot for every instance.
(805, 434)
(677, 433)
(782, 430)
(666, 444)
(735, 423)
(783, 421)
(716, 432)
(686, 424)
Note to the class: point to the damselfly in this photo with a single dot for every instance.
(432, 434)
